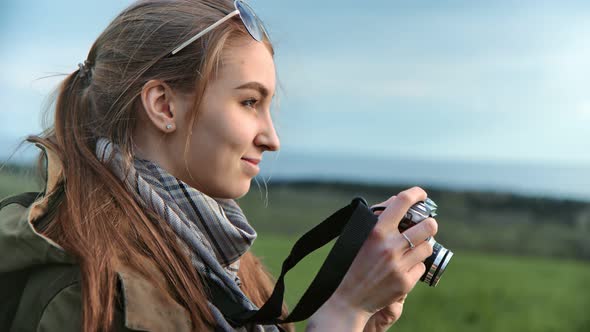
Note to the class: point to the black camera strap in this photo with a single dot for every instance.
(352, 225)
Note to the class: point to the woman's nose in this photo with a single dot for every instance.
(268, 137)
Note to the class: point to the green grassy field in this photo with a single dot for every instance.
(13, 183)
(478, 292)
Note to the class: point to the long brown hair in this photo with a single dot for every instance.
(98, 220)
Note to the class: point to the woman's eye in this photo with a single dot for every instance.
(251, 103)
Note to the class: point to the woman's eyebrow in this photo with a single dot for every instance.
(255, 86)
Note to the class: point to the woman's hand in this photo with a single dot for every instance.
(384, 270)
(384, 318)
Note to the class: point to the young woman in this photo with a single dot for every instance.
(155, 134)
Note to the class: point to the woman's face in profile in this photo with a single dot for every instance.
(233, 126)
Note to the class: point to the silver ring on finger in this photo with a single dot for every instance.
(412, 246)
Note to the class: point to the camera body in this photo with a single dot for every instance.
(437, 263)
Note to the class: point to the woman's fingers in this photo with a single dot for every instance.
(417, 234)
(417, 271)
(417, 255)
(397, 207)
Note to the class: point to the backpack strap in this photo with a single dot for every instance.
(43, 284)
(24, 199)
(29, 291)
(13, 283)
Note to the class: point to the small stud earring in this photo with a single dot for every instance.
(168, 126)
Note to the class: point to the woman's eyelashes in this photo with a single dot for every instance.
(250, 103)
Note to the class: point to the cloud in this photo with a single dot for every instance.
(583, 109)
(533, 57)
(500, 81)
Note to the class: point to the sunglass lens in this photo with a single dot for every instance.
(251, 21)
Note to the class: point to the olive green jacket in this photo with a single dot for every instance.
(27, 259)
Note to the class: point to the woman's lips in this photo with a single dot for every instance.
(251, 166)
(253, 161)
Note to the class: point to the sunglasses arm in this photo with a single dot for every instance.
(213, 26)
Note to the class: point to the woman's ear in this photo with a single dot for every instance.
(157, 99)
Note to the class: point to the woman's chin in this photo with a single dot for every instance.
(241, 192)
(235, 191)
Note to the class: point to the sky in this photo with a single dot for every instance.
(502, 81)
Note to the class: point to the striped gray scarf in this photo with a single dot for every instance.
(215, 231)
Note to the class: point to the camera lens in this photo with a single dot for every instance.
(436, 264)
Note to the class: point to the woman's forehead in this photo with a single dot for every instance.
(247, 62)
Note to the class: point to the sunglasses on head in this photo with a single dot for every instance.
(252, 23)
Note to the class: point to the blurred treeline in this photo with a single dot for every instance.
(478, 221)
